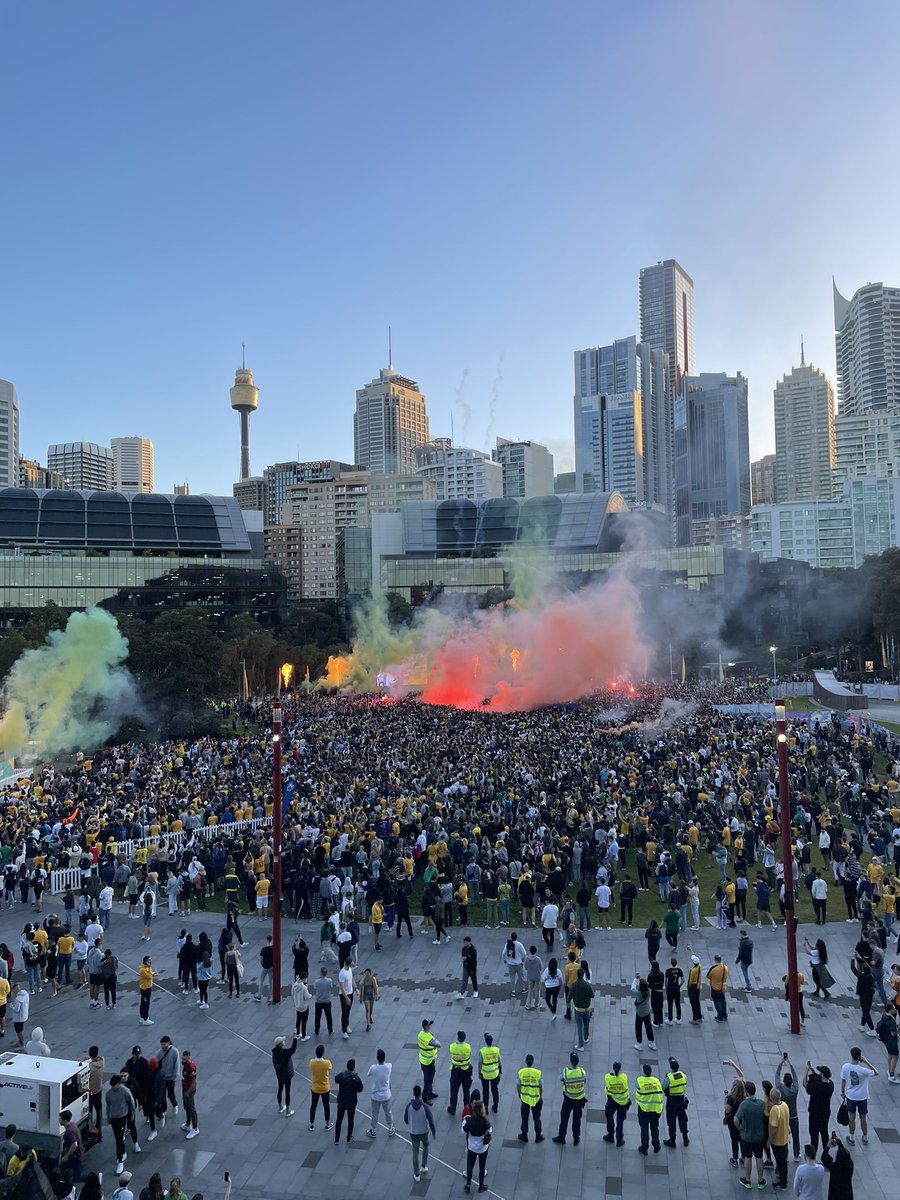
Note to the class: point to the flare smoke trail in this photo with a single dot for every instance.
(559, 648)
(70, 693)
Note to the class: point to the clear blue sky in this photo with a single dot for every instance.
(487, 178)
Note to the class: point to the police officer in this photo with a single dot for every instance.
(574, 1081)
(618, 1102)
(460, 1070)
(530, 1091)
(649, 1095)
(675, 1085)
(490, 1069)
(428, 1048)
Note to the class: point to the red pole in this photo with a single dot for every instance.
(276, 856)
(790, 921)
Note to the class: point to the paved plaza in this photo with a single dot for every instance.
(274, 1158)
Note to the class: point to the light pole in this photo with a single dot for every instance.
(276, 855)
(784, 816)
(772, 650)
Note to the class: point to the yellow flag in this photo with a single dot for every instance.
(246, 682)
(683, 669)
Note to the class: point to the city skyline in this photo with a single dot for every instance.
(203, 217)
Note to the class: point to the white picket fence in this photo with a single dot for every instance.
(70, 877)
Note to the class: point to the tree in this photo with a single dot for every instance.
(12, 644)
(181, 656)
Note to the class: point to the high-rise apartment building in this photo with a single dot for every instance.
(9, 435)
(181, 489)
(711, 453)
(87, 466)
(132, 464)
(459, 473)
(667, 317)
(279, 477)
(804, 435)
(867, 349)
(250, 494)
(762, 480)
(332, 498)
(621, 422)
(868, 444)
(527, 468)
(389, 422)
(33, 475)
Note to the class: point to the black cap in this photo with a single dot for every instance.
(573, 1059)
(426, 1022)
(488, 1039)
(460, 1035)
(135, 1049)
(673, 1063)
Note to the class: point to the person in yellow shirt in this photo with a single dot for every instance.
(779, 1132)
(717, 975)
(731, 901)
(4, 998)
(263, 887)
(320, 1077)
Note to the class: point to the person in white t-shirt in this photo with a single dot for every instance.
(549, 920)
(855, 1076)
(603, 892)
(380, 1074)
(345, 992)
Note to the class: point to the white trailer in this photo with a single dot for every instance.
(34, 1091)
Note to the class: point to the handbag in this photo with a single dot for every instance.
(843, 1117)
(240, 968)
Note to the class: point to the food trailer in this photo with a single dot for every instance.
(34, 1091)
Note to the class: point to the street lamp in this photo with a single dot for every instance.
(787, 858)
(276, 852)
(772, 650)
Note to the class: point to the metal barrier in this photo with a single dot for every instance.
(70, 877)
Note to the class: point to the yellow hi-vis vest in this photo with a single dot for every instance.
(490, 1062)
(529, 1085)
(573, 1081)
(677, 1081)
(617, 1088)
(460, 1055)
(649, 1094)
(427, 1048)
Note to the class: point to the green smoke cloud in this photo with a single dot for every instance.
(71, 693)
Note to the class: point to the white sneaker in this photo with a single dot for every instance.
(416, 1177)
(288, 1112)
(424, 1170)
(151, 1136)
(137, 1148)
(474, 995)
(281, 1108)
(120, 1167)
(192, 1134)
(651, 1045)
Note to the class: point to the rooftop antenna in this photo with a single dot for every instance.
(451, 427)
(243, 356)
(802, 354)
(390, 349)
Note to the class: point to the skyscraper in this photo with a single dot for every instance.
(867, 349)
(804, 435)
(712, 454)
(622, 430)
(389, 422)
(9, 435)
(132, 464)
(667, 317)
(244, 400)
(87, 466)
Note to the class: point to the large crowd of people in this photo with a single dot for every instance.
(399, 811)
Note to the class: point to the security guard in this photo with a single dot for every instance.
(618, 1102)
(428, 1048)
(530, 1091)
(675, 1085)
(460, 1070)
(574, 1081)
(649, 1101)
(490, 1069)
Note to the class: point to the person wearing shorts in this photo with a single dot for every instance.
(750, 1119)
(855, 1076)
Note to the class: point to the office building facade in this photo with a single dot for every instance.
(711, 458)
(87, 466)
(33, 475)
(527, 468)
(867, 349)
(389, 423)
(9, 434)
(804, 435)
(867, 444)
(132, 464)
